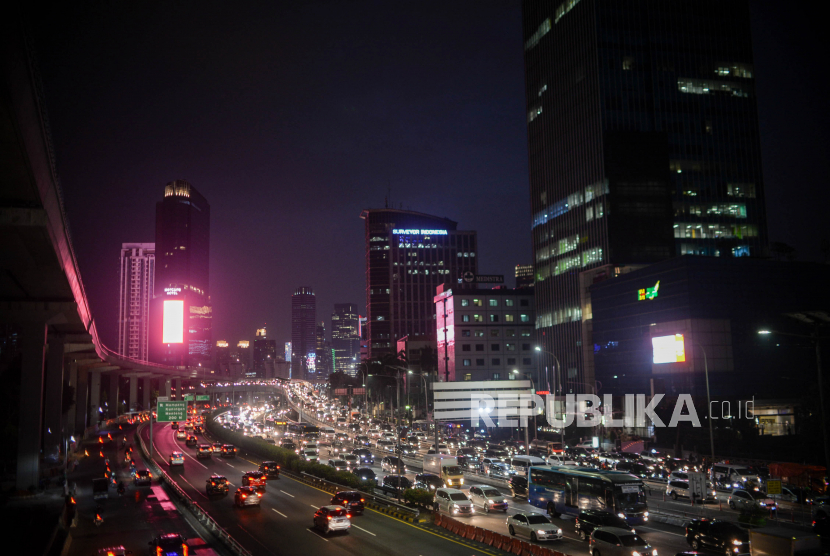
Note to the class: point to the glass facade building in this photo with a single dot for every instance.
(643, 144)
(345, 338)
(183, 273)
(409, 254)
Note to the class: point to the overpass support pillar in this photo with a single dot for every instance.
(166, 390)
(81, 401)
(145, 394)
(178, 388)
(53, 398)
(70, 379)
(132, 402)
(250, 397)
(33, 353)
(94, 398)
(112, 397)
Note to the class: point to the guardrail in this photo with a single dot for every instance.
(194, 508)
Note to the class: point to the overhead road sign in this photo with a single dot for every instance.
(171, 411)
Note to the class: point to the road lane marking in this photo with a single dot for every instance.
(316, 535)
(279, 512)
(194, 488)
(313, 506)
(362, 529)
(291, 495)
(660, 531)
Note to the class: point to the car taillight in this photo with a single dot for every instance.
(158, 551)
(212, 483)
(244, 496)
(362, 500)
(328, 517)
(259, 494)
(184, 549)
(349, 516)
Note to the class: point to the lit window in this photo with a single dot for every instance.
(711, 87)
(509, 347)
(468, 376)
(534, 39)
(467, 362)
(524, 318)
(465, 318)
(465, 302)
(534, 113)
(508, 302)
(493, 302)
(526, 333)
(508, 318)
(478, 334)
(494, 318)
(628, 63)
(477, 302)
(496, 376)
(478, 318)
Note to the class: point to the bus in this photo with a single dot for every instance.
(569, 490)
(301, 429)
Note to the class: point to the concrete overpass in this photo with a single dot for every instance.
(44, 314)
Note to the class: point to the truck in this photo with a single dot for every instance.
(779, 541)
(446, 467)
(100, 488)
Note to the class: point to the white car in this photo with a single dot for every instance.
(339, 464)
(332, 518)
(533, 525)
(488, 498)
(310, 455)
(452, 501)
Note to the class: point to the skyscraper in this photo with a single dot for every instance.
(643, 142)
(138, 264)
(303, 334)
(524, 275)
(408, 254)
(324, 364)
(265, 354)
(345, 338)
(181, 311)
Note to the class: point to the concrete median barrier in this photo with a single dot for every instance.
(488, 537)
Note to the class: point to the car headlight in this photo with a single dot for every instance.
(491, 502)
(540, 532)
(635, 553)
(559, 531)
(622, 515)
(645, 514)
(736, 542)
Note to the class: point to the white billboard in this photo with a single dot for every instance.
(669, 349)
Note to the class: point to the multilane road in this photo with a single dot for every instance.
(283, 523)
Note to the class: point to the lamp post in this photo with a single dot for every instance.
(560, 387)
(708, 402)
(426, 406)
(816, 339)
(527, 436)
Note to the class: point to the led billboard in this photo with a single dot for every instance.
(172, 331)
(669, 349)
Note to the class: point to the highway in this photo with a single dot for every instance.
(283, 523)
(287, 508)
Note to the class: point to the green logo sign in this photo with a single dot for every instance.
(188, 397)
(202, 397)
(648, 293)
(172, 411)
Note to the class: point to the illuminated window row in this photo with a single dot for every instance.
(586, 195)
(534, 39)
(711, 87)
(560, 316)
(734, 69)
(708, 231)
(736, 210)
(534, 113)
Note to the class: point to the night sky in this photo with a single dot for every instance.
(292, 117)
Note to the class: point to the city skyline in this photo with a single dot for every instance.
(473, 60)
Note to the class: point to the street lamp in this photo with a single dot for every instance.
(561, 388)
(816, 339)
(709, 401)
(527, 436)
(426, 406)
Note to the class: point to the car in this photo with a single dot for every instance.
(204, 451)
(518, 486)
(247, 496)
(143, 478)
(181, 434)
(339, 464)
(176, 458)
(394, 484)
(254, 479)
(198, 429)
(217, 447)
(351, 460)
(715, 534)
(288, 444)
(741, 499)
(271, 469)
(588, 520)
(171, 544)
(452, 501)
(392, 464)
(499, 470)
(428, 481)
(365, 474)
(535, 526)
(616, 541)
(352, 500)
(488, 497)
(678, 488)
(332, 518)
(228, 451)
(191, 440)
(386, 445)
(362, 440)
(113, 551)
(366, 457)
(217, 484)
(310, 455)
(174, 425)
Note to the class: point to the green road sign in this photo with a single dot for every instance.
(188, 397)
(773, 486)
(172, 411)
(202, 397)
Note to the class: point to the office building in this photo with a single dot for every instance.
(325, 354)
(643, 143)
(524, 276)
(486, 334)
(241, 360)
(181, 312)
(138, 267)
(222, 358)
(303, 334)
(264, 354)
(345, 338)
(408, 255)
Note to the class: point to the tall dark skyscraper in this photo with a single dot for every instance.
(264, 354)
(324, 364)
(408, 255)
(303, 334)
(181, 311)
(345, 337)
(643, 143)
